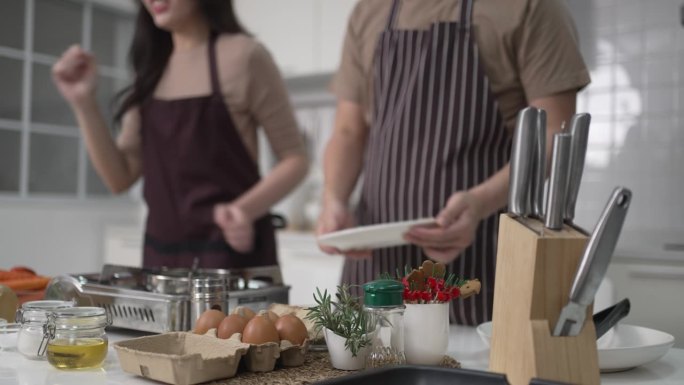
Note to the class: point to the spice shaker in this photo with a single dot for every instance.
(75, 338)
(207, 293)
(32, 316)
(384, 304)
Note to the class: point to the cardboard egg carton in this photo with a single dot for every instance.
(181, 358)
(263, 357)
(184, 358)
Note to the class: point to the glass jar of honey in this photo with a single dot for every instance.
(75, 338)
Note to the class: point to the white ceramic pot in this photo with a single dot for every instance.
(340, 356)
(426, 333)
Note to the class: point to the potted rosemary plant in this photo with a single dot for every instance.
(345, 326)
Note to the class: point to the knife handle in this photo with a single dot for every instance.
(579, 129)
(521, 162)
(600, 248)
(539, 166)
(558, 181)
(607, 318)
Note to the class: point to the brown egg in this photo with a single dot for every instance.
(244, 311)
(291, 328)
(210, 319)
(273, 317)
(230, 325)
(259, 330)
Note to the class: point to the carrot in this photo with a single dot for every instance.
(23, 268)
(11, 275)
(31, 283)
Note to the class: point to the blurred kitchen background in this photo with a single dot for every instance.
(57, 217)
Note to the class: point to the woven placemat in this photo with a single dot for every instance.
(316, 368)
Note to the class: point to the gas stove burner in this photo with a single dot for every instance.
(158, 300)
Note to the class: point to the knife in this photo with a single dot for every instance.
(608, 317)
(521, 162)
(579, 129)
(539, 166)
(594, 263)
(558, 181)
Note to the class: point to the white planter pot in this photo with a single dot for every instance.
(426, 333)
(340, 356)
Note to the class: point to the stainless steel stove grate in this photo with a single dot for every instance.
(135, 308)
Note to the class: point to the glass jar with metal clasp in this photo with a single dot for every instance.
(75, 338)
(32, 316)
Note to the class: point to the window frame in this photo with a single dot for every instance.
(26, 126)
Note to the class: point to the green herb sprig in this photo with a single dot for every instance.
(344, 317)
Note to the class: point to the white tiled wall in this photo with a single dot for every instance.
(635, 51)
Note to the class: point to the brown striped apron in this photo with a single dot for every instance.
(436, 130)
(194, 158)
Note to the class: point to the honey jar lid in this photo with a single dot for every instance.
(83, 317)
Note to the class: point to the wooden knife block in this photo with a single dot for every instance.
(534, 272)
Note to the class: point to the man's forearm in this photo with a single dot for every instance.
(342, 166)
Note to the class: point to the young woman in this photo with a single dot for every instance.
(188, 122)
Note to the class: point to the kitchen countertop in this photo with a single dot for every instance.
(464, 344)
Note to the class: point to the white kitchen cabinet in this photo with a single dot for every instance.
(655, 293)
(304, 36)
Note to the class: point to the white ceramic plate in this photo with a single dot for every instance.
(372, 237)
(630, 346)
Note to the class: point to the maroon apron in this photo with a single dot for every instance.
(194, 158)
(436, 130)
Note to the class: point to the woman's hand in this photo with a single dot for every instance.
(236, 226)
(336, 216)
(455, 230)
(75, 75)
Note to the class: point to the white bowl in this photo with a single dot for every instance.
(633, 346)
(485, 332)
(629, 346)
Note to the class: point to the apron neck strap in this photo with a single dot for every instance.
(213, 67)
(392, 19)
(465, 13)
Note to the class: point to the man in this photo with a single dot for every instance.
(428, 92)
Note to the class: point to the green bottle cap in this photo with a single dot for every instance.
(383, 292)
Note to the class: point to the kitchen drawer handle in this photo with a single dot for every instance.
(670, 273)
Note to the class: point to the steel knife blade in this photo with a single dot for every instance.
(579, 129)
(558, 181)
(521, 162)
(539, 166)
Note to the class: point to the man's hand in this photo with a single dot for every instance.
(236, 226)
(455, 230)
(336, 216)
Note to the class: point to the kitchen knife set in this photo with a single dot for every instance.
(528, 168)
(526, 199)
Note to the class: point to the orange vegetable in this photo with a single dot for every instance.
(23, 268)
(30, 283)
(11, 275)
